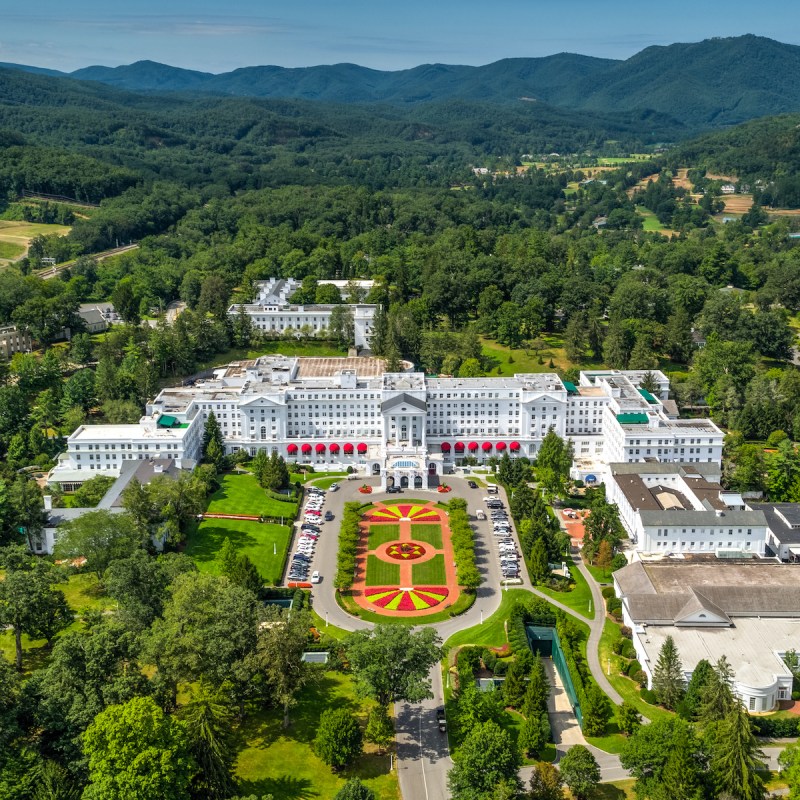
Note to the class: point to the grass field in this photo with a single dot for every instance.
(10, 250)
(381, 534)
(381, 573)
(431, 533)
(430, 573)
(241, 494)
(528, 361)
(282, 763)
(579, 598)
(83, 593)
(16, 236)
(263, 543)
(325, 483)
(491, 633)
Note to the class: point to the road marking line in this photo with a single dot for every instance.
(421, 758)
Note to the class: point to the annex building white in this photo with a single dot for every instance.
(405, 427)
(272, 313)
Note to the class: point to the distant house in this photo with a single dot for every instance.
(727, 188)
(480, 170)
(98, 317)
(698, 338)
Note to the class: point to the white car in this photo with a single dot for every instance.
(315, 577)
(334, 487)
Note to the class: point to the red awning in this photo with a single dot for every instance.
(500, 446)
(362, 448)
(459, 447)
(473, 445)
(334, 448)
(348, 448)
(514, 445)
(320, 448)
(487, 446)
(291, 449)
(306, 448)
(445, 447)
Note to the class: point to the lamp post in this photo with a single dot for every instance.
(326, 619)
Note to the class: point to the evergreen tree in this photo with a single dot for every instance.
(681, 775)
(596, 711)
(212, 432)
(531, 738)
(701, 676)
(242, 328)
(515, 684)
(538, 563)
(716, 698)
(575, 338)
(628, 718)
(354, 790)
(736, 758)
(668, 680)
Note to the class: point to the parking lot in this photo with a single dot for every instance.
(506, 551)
(315, 522)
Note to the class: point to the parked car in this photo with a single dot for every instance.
(394, 490)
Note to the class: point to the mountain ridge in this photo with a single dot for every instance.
(712, 83)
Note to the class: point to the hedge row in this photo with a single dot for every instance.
(776, 728)
(281, 498)
(349, 536)
(463, 540)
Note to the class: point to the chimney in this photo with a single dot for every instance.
(48, 502)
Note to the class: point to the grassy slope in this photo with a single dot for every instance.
(578, 599)
(281, 762)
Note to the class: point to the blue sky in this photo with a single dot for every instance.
(217, 36)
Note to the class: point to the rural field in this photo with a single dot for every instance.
(15, 237)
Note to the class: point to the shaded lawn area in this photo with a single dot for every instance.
(281, 762)
(428, 532)
(253, 539)
(241, 494)
(431, 573)
(578, 599)
(381, 573)
(82, 592)
(325, 483)
(492, 632)
(315, 477)
(381, 534)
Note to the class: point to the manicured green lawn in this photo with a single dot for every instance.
(600, 575)
(579, 598)
(241, 494)
(491, 633)
(381, 573)
(264, 544)
(281, 762)
(430, 573)
(431, 533)
(625, 686)
(325, 483)
(381, 534)
(463, 603)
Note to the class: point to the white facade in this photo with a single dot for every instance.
(339, 412)
(271, 313)
(681, 508)
(105, 449)
(745, 611)
(13, 340)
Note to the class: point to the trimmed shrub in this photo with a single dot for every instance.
(640, 677)
(776, 727)
(608, 592)
(613, 605)
(628, 650)
(617, 645)
(649, 696)
(633, 666)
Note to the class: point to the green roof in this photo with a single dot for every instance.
(570, 387)
(647, 396)
(632, 419)
(166, 421)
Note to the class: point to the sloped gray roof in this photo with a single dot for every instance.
(402, 399)
(698, 603)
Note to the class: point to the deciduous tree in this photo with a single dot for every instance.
(338, 741)
(580, 771)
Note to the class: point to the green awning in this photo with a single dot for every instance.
(647, 396)
(166, 421)
(632, 419)
(570, 387)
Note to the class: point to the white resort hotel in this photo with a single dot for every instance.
(405, 427)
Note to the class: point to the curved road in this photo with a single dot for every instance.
(422, 752)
